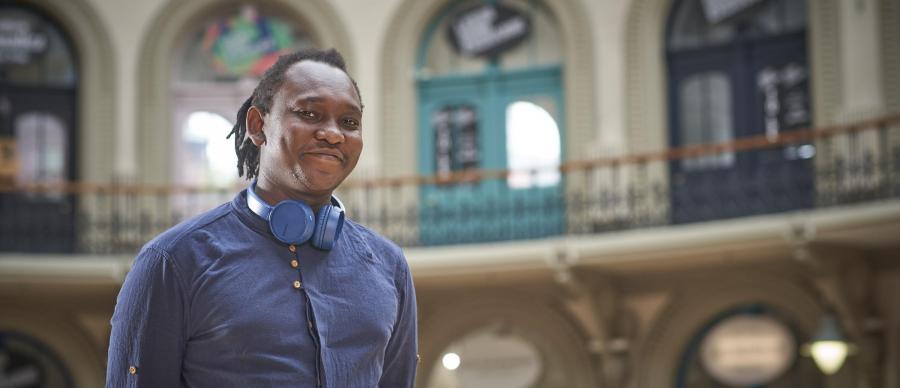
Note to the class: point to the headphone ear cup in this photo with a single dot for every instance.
(292, 222)
(329, 223)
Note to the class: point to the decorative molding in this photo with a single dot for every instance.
(824, 57)
(167, 30)
(398, 94)
(890, 52)
(646, 109)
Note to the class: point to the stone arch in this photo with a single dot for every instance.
(398, 95)
(96, 85)
(661, 349)
(552, 329)
(155, 69)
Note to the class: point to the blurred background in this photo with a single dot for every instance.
(590, 193)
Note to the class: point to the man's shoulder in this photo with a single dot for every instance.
(374, 240)
(175, 237)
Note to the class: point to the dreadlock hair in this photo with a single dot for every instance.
(247, 152)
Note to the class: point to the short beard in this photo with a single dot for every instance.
(301, 177)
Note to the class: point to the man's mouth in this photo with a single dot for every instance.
(327, 156)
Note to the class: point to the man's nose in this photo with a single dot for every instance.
(331, 133)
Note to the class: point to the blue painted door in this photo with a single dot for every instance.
(754, 87)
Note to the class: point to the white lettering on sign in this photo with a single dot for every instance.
(476, 32)
(18, 42)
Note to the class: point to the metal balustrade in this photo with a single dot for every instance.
(814, 168)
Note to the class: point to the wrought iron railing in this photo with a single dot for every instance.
(801, 169)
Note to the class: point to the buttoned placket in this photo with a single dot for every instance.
(310, 316)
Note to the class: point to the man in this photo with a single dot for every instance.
(275, 288)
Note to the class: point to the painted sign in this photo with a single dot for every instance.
(246, 44)
(488, 30)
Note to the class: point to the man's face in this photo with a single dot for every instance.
(311, 138)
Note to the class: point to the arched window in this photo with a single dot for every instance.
(38, 129)
(490, 98)
(750, 345)
(738, 70)
(494, 356)
(217, 66)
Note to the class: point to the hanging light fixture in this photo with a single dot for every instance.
(829, 349)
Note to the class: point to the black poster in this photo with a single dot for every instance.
(488, 30)
(784, 95)
(455, 139)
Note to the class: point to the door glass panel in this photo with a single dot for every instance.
(41, 144)
(209, 157)
(456, 146)
(491, 357)
(532, 146)
(706, 118)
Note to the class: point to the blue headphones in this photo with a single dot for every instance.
(293, 222)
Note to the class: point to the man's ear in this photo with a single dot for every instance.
(255, 124)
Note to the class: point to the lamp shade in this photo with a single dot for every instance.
(829, 348)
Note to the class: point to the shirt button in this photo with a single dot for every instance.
(297, 284)
(295, 263)
(132, 370)
(292, 248)
(309, 323)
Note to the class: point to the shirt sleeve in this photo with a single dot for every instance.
(147, 339)
(401, 359)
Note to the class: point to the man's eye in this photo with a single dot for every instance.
(306, 114)
(351, 123)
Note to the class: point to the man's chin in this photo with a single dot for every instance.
(320, 185)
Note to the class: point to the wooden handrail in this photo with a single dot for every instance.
(742, 144)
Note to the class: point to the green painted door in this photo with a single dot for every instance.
(495, 122)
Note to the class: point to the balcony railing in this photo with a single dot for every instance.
(802, 169)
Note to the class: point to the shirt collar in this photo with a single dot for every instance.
(239, 205)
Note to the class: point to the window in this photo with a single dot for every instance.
(532, 146)
(210, 159)
(705, 105)
(492, 357)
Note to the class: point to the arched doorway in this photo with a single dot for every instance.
(737, 72)
(489, 82)
(39, 82)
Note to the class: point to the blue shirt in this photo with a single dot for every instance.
(216, 302)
